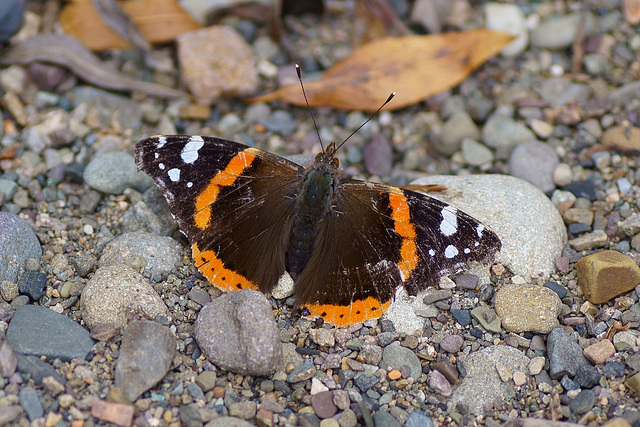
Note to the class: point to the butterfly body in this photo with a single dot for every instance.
(348, 245)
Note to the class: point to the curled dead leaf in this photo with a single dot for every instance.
(159, 21)
(416, 67)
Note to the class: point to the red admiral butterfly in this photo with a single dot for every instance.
(347, 244)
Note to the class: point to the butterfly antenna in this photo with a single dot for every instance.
(315, 125)
(369, 119)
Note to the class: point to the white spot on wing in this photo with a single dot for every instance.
(450, 251)
(432, 252)
(156, 155)
(449, 224)
(479, 229)
(174, 174)
(161, 166)
(189, 184)
(467, 250)
(189, 152)
(161, 141)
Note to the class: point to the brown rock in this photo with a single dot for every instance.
(527, 307)
(606, 274)
(625, 138)
(598, 353)
(575, 215)
(617, 422)
(216, 61)
(116, 413)
(634, 383)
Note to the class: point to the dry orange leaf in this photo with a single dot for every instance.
(160, 21)
(416, 67)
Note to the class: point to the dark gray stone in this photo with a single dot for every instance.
(237, 332)
(39, 331)
(463, 317)
(385, 419)
(32, 284)
(587, 376)
(583, 402)
(37, 369)
(364, 382)
(146, 353)
(565, 355)
(30, 402)
(18, 243)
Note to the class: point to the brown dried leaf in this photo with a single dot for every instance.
(416, 67)
(160, 21)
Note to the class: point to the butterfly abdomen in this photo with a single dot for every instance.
(312, 205)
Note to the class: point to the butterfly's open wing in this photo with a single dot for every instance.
(388, 237)
(217, 189)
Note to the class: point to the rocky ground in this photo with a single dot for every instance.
(104, 319)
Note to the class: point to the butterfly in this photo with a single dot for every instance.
(348, 245)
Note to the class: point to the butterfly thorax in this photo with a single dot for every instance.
(312, 205)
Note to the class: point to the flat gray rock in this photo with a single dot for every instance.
(483, 385)
(39, 331)
(145, 357)
(159, 254)
(18, 243)
(529, 225)
(112, 173)
(237, 332)
(116, 294)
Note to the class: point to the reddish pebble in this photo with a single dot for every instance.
(116, 413)
(394, 374)
(218, 392)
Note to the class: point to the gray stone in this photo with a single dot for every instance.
(452, 343)
(228, 422)
(112, 173)
(558, 91)
(39, 331)
(503, 134)
(237, 332)
(564, 354)
(146, 353)
(160, 254)
(559, 32)
(30, 402)
(38, 369)
(534, 162)
(533, 233)
(508, 18)
(528, 308)
(583, 402)
(458, 127)
(487, 318)
(419, 419)
(482, 385)
(18, 243)
(395, 357)
(385, 419)
(116, 294)
(474, 153)
(302, 372)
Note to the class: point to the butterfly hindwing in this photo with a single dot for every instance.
(389, 237)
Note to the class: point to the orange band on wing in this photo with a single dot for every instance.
(214, 270)
(401, 216)
(345, 315)
(223, 178)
